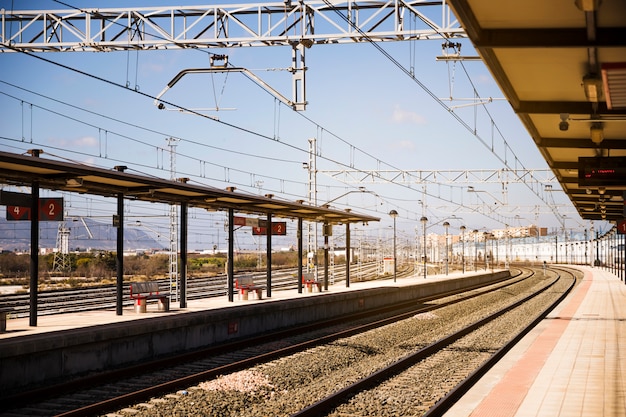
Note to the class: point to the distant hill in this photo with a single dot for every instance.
(15, 236)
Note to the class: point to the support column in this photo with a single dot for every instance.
(230, 267)
(268, 250)
(347, 254)
(300, 269)
(34, 249)
(183, 255)
(120, 255)
(327, 232)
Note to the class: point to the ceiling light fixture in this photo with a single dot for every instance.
(593, 87)
(564, 125)
(597, 133)
(614, 82)
(74, 182)
(588, 5)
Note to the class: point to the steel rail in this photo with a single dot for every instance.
(408, 309)
(458, 391)
(103, 296)
(323, 406)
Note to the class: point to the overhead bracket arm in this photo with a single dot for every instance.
(293, 104)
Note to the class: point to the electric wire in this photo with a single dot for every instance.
(439, 101)
(256, 133)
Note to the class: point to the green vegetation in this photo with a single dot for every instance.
(97, 268)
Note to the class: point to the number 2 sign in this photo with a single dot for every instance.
(50, 209)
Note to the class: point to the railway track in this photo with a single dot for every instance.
(398, 385)
(181, 372)
(104, 297)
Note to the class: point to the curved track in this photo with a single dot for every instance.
(182, 370)
(346, 396)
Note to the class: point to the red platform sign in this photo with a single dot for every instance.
(278, 228)
(50, 209)
(621, 227)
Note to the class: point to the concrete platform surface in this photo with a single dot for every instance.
(572, 364)
(17, 327)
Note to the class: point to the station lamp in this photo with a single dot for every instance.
(424, 220)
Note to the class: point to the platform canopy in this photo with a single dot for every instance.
(562, 66)
(72, 177)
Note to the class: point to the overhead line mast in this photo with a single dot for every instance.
(173, 255)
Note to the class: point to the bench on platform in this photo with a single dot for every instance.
(309, 280)
(141, 292)
(244, 284)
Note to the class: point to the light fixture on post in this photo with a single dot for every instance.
(463, 246)
(592, 84)
(475, 232)
(596, 132)
(485, 237)
(424, 220)
(393, 215)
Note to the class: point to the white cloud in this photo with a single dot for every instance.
(72, 144)
(86, 141)
(402, 116)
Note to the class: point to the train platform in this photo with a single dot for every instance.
(20, 327)
(77, 344)
(572, 364)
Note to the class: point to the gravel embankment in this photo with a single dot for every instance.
(285, 386)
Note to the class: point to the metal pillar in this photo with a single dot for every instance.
(230, 267)
(327, 231)
(312, 199)
(183, 255)
(268, 250)
(34, 249)
(299, 237)
(173, 254)
(120, 255)
(347, 254)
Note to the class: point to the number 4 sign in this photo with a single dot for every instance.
(50, 209)
(278, 228)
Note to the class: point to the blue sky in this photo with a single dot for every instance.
(363, 110)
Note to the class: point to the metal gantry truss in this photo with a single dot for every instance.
(299, 25)
(540, 177)
(539, 181)
(225, 26)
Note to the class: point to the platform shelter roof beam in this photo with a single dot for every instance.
(51, 174)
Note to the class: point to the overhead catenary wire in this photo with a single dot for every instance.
(353, 148)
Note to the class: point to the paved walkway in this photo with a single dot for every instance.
(572, 364)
